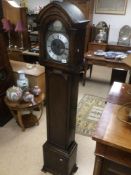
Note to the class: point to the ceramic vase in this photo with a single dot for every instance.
(14, 93)
(28, 97)
(22, 81)
(36, 90)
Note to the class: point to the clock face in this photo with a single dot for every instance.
(57, 43)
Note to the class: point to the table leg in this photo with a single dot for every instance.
(98, 166)
(41, 111)
(85, 68)
(19, 115)
(84, 73)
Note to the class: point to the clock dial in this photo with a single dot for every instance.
(58, 47)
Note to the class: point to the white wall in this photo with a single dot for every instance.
(115, 21)
(34, 5)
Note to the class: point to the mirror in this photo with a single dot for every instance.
(100, 32)
(124, 35)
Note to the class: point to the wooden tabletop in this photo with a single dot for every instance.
(28, 68)
(27, 52)
(110, 130)
(90, 58)
(24, 105)
(120, 93)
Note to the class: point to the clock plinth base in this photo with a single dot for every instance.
(58, 161)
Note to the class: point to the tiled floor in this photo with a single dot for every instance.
(21, 152)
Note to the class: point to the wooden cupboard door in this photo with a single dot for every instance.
(61, 91)
(112, 168)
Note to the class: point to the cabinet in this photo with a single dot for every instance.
(94, 46)
(15, 54)
(112, 168)
(33, 33)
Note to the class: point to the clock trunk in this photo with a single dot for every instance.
(61, 109)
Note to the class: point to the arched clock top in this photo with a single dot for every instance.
(68, 11)
(62, 28)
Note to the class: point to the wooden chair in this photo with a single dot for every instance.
(84, 70)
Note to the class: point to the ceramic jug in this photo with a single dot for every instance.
(101, 36)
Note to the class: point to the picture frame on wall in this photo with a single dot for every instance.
(117, 7)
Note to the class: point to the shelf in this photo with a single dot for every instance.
(33, 32)
(26, 52)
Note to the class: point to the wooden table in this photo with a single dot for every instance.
(94, 46)
(18, 108)
(27, 52)
(113, 143)
(91, 59)
(23, 55)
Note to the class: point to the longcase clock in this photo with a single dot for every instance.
(62, 29)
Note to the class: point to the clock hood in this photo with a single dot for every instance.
(73, 13)
(62, 49)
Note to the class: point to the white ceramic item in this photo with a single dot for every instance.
(22, 81)
(14, 93)
(28, 97)
(36, 90)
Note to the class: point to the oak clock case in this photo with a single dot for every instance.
(62, 33)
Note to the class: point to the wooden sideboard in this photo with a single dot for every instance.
(35, 73)
(23, 55)
(94, 46)
(113, 143)
(90, 58)
(15, 54)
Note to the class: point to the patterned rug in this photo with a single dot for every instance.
(89, 111)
